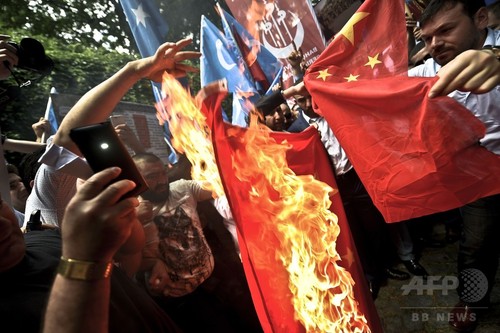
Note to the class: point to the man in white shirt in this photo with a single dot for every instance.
(451, 29)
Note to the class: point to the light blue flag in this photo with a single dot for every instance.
(276, 81)
(150, 30)
(148, 26)
(50, 114)
(270, 65)
(221, 59)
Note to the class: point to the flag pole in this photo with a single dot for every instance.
(47, 111)
(4, 185)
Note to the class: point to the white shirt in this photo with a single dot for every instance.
(182, 245)
(486, 107)
(55, 183)
(341, 163)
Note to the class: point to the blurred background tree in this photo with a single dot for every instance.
(88, 41)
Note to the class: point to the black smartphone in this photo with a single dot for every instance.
(102, 148)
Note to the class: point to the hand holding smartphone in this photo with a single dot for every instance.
(102, 148)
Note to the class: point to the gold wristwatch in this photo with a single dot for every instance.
(84, 270)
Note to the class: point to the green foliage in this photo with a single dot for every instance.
(77, 69)
(73, 21)
(88, 41)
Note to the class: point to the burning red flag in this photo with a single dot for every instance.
(416, 156)
(299, 257)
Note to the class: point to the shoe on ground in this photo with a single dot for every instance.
(432, 243)
(396, 274)
(414, 267)
(374, 289)
(463, 318)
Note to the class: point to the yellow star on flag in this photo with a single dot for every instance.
(352, 78)
(323, 74)
(348, 257)
(372, 61)
(348, 29)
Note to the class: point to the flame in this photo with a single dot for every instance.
(323, 291)
(294, 207)
(190, 133)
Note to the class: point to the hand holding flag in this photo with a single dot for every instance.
(472, 70)
(416, 156)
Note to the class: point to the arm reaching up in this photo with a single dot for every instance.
(97, 104)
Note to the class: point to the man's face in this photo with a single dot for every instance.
(156, 177)
(305, 103)
(451, 32)
(12, 247)
(493, 21)
(18, 193)
(276, 121)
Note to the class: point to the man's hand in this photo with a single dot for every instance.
(298, 89)
(169, 57)
(159, 278)
(8, 57)
(476, 71)
(40, 128)
(97, 222)
(295, 58)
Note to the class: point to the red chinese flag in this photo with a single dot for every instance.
(259, 237)
(416, 156)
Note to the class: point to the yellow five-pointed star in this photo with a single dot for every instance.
(323, 74)
(348, 29)
(348, 257)
(351, 78)
(372, 61)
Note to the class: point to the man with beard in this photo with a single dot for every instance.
(181, 249)
(177, 253)
(455, 29)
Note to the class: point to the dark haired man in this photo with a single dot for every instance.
(183, 259)
(494, 15)
(451, 29)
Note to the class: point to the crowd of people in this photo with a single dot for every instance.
(78, 257)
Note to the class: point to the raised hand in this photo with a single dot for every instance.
(169, 57)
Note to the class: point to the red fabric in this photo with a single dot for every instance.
(416, 156)
(258, 237)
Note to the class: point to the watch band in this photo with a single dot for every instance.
(84, 270)
(493, 49)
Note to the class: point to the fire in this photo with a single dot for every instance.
(191, 135)
(294, 208)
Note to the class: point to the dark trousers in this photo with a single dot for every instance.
(367, 225)
(479, 249)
